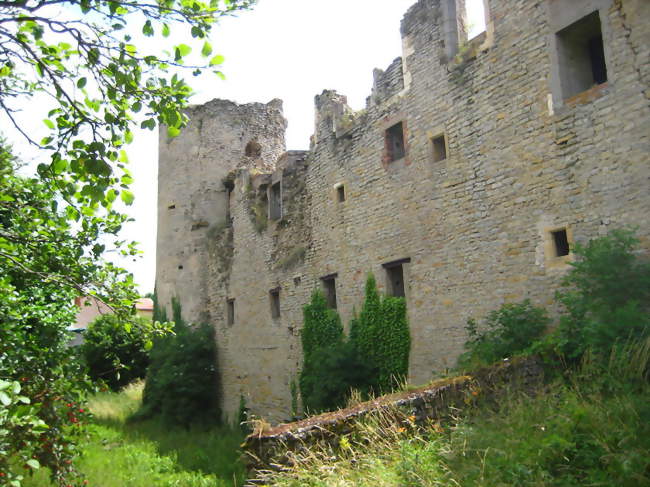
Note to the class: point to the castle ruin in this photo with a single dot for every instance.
(462, 185)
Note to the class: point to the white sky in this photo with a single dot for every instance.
(288, 49)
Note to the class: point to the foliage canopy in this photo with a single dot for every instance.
(117, 352)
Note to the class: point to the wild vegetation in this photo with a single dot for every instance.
(182, 379)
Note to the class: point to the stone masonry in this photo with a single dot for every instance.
(474, 167)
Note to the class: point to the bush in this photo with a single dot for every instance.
(510, 330)
(322, 326)
(373, 360)
(182, 378)
(117, 352)
(332, 373)
(381, 337)
(606, 296)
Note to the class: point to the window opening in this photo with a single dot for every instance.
(581, 55)
(274, 295)
(275, 207)
(439, 148)
(395, 142)
(329, 288)
(561, 242)
(395, 277)
(253, 149)
(171, 207)
(230, 312)
(475, 18)
(340, 193)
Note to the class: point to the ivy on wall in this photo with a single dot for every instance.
(381, 337)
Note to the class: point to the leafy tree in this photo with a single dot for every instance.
(77, 59)
(117, 352)
(45, 262)
(79, 56)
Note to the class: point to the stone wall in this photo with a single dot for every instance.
(266, 451)
(471, 229)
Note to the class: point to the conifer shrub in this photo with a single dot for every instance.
(380, 335)
(322, 326)
(373, 360)
(116, 352)
(182, 378)
(323, 379)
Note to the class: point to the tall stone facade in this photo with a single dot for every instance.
(474, 167)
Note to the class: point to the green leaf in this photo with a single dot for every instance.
(218, 59)
(33, 463)
(165, 30)
(59, 166)
(183, 50)
(127, 197)
(5, 399)
(49, 123)
(147, 29)
(172, 131)
(207, 49)
(81, 82)
(128, 137)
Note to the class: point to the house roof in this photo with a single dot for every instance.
(144, 304)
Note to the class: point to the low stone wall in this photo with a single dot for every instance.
(268, 448)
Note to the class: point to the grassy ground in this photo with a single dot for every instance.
(593, 430)
(118, 453)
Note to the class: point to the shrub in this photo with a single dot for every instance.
(606, 296)
(182, 377)
(510, 330)
(330, 375)
(322, 326)
(373, 360)
(117, 352)
(322, 330)
(381, 337)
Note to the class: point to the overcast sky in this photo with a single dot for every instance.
(287, 49)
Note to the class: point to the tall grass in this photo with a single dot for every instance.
(118, 452)
(590, 430)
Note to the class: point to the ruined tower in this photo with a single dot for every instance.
(194, 190)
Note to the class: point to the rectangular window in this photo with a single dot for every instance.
(439, 148)
(395, 277)
(560, 242)
(275, 204)
(340, 193)
(230, 312)
(274, 297)
(395, 142)
(329, 288)
(581, 55)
